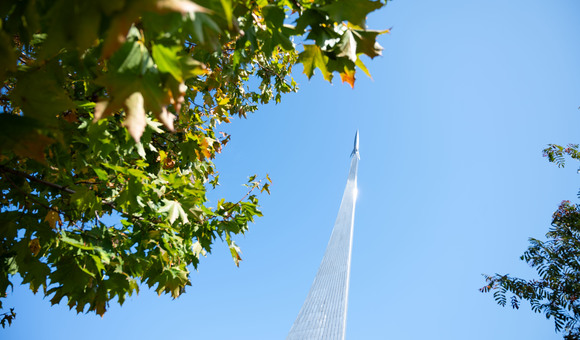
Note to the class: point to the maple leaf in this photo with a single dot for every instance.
(351, 11)
(347, 46)
(348, 76)
(312, 57)
(174, 210)
(366, 42)
(136, 119)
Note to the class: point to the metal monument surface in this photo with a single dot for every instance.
(323, 315)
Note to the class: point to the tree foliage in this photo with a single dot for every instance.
(557, 260)
(113, 107)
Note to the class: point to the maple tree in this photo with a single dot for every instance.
(113, 107)
(557, 290)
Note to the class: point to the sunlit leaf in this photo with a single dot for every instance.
(136, 120)
(312, 58)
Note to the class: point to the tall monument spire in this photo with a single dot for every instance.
(323, 315)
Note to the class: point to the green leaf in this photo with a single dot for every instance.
(7, 55)
(74, 242)
(312, 58)
(174, 210)
(132, 58)
(102, 174)
(227, 7)
(274, 16)
(167, 60)
(366, 42)
(354, 12)
(347, 46)
(40, 96)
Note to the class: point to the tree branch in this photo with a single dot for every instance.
(4, 169)
(35, 179)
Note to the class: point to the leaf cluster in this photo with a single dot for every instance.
(112, 108)
(556, 292)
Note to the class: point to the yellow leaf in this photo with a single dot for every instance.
(362, 66)
(52, 218)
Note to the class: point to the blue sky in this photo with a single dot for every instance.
(451, 185)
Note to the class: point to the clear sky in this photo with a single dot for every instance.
(451, 185)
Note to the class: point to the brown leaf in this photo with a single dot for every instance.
(34, 246)
(101, 307)
(168, 163)
(70, 116)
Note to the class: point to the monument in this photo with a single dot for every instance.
(323, 315)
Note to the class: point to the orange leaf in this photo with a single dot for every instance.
(347, 76)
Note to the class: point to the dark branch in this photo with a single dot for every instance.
(35, 179)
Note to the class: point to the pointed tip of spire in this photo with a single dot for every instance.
(355, 149)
